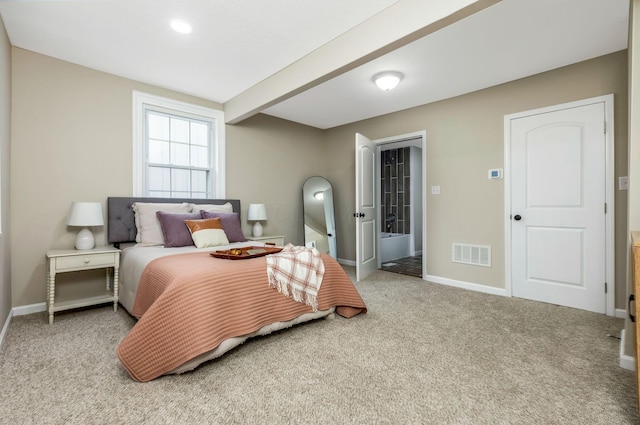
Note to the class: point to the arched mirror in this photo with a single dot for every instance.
(319, 219)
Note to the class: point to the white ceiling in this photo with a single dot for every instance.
(234, 44)
(510, 40)
(237, 44)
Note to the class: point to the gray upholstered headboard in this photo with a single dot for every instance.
(121, 222)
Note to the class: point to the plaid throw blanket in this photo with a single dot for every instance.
(296, 272)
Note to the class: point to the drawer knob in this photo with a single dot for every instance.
(87, 261)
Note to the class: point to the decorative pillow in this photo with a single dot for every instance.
(174, 231)
(230, 224)
(224, 208)
(207, 232)
(149, 230)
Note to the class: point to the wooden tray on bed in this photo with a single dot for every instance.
(246, 252)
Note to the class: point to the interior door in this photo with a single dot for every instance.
(329, 218)
(558, 198)
(366, 213)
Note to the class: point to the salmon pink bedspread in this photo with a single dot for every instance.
(190, 303)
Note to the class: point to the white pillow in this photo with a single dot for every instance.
(224, 208)
(207, 232)
(147, 223)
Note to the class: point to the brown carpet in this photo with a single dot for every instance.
(424, 354)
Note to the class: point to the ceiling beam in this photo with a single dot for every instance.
(392, 28)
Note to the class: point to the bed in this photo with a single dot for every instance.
(191, 306)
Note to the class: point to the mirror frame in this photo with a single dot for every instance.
(318, 215)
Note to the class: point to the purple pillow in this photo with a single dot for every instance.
(230, 224)
(175, 231)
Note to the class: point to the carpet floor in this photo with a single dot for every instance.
(423, 354)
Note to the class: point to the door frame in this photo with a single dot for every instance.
(395, 139)
(609, 191)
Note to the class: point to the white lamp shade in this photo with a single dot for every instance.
(257, 212)
(86, 214)
(387, 80)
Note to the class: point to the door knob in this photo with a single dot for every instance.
(517, 217)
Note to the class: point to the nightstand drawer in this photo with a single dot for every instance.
(273, 239)
(279, 241)
(85, 261)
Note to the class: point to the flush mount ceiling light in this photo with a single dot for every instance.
(387, 80)
(180, 26)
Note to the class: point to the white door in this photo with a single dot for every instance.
(366, 214)
(329, 219)
(558, 227)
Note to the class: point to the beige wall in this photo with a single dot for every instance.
(5, 198)
(268, 160)
(72, 141)
(464, 140)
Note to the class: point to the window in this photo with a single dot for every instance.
(178, 149)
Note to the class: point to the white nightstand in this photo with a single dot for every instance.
(277, 240)
(71, 260)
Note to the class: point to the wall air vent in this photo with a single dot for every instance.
(476, 255)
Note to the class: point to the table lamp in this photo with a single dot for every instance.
(85, 214)
(257, 213)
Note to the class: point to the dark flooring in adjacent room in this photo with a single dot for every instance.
(411, 266)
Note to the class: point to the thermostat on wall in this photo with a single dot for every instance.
(496, 173)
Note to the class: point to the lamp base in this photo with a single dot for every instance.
(257, 229)
(85, 240)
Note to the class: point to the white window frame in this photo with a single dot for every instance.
(217, 174)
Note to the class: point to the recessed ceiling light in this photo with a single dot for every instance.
(180, 26)
(387, 80)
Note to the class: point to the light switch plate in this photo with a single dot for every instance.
(435, 190)
(623, 183)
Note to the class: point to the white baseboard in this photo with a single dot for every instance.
(466, 285)
(626, 362)
(346, 262)
(29, 309)
(21, 311)
(5, 327)
(620, 313)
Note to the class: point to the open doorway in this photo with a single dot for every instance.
(400, 193)
(372, 224)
